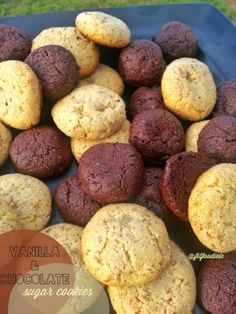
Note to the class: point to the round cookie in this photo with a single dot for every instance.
(73, 203)
(188, 89)
(218, 139)
(56, 68)
(176, 40)
(141, 63)
(79, 146)
(28, 197)
(21, 98)
(103, 29)
(191, 135)
(85, 51)
(131, 247)
(15, 44)
(5, 143)
(157, 134)
(212, 208)
(105, 76)
(179, 177)
(111, 172)
(9, 220)
(174, 291)
(90, 112)
(41, 152)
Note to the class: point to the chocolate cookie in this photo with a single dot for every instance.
(179, 177)
(145, 98)
(157, 134)
(40, 152)
(141, 63)
(217, 285)
(111, 172)
(73, 203)
(176, 40)
(218, 139)
(14, 43)
(57, 69)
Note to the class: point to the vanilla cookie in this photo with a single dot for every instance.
(212, 208)
(28, 197)
(174, 291)
(188, 89)
(8, 218)
(91, 112)
(191, 136)
(20, 95)
(5, 142)
(86, 52)
(103, 29)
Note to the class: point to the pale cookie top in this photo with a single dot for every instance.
(90, 112)
(125, 244)
(28, 197)
(8, 218)
(103, 29)
(79, 146)
(212, 208)
(173, 292)
(191, 136)
(105, 76)
(84, 50)
(20, 95)
(188, 89)
(5, 142)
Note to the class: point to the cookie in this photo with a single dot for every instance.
(218, 139)
(73, 203)
(212, 207)
(191, 135)
(141, 63)
(179, 177)
(85, 51)
(174, 291)
(90, 112)
(131, 247)
(176, 40)
(105, 76)
(5, 143)
(41, 152)
(9, 220)
(79, 146)
(21, 98)
(103, 29)
(28, 197)
(157, 134)
(111, 172)
(57, 70)
(15, 44)
(188, 89)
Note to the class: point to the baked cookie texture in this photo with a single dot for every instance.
(90, 112)
(21, 98)
(9, 220)
(5, 142)
(85, 51)
(212, 208)
(104, 29)
(131, 247)
(192, 134)
(174, 291)
(29, 198)
(188, 89)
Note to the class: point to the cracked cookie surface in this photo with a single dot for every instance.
(9, 220)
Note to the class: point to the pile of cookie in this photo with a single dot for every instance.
(166, 155)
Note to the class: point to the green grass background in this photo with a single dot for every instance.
(22, 7)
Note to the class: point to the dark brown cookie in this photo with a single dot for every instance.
(141, 63)
(157, 134)
(73, 203)
(111, 172)
(40, 152)
(179, 177)
(56, 68)
(14, 43)
(218, 139)
(176, 40)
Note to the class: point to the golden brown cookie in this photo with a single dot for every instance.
(5, 142)
(8, 218)
(191, 136)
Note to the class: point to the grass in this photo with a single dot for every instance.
(22, 7)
